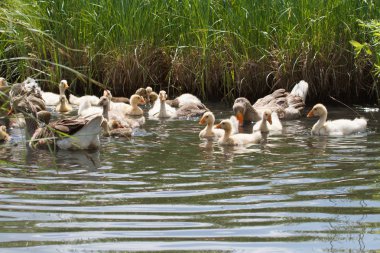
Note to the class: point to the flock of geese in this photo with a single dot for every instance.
(118, 116)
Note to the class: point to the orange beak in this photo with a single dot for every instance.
(218, 126)
(240, 118)
(142, 101)
(310, 114)
(270, 119)
(202, 121)
(66, 86)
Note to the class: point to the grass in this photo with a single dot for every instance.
(217, 49)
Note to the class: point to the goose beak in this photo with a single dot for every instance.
(240, 118)
(202, 121)
(66, 86)
(270, 119)
(310, 114)
(218, 126)
(142, 101)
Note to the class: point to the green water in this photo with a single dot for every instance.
(165, 189)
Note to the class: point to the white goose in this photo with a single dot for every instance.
(161, 109)
(271, 118)
(94, 100)
(237, 139)
(210, 132)
(51, 98)
(334, 127)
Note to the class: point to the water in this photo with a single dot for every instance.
(167, 190)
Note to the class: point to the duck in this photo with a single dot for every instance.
(229, 139)
(286, 105)
(4, 136)
(51, 98)
(162, 110)
(63, 105)
(271, 118)
(68, 133)
(210, 132)
(337, 127)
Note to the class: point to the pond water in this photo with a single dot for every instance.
(166, 190)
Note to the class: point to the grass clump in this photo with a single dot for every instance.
(215, 49)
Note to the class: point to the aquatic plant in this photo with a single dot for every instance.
(216, 49)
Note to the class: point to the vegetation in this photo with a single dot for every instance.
(369, 52)
(212, 48)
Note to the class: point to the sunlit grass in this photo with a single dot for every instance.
(216, 49)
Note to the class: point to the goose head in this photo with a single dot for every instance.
(225, 124)
(317, 110)
(267, 114)
(64, 85)
(207, 118)
(107, 93)
(103, 101)
(148, 90)
(137, 100)
(162, 96)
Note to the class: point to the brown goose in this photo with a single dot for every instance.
(71, 133)
(286, 105)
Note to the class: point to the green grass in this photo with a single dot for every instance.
(218, 49)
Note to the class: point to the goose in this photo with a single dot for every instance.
(145, 93)
(334, 127)
(183, 99)
(94, 100)
(63, 105)
(152, 98)
(134, 109)
(51, 98)
(113, 127)
(271, 118)
(286, 105)
(4, 136)
(161, 109)
(228, 139)
(210, 132)
(70, 133)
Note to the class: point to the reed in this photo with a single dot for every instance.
(213, 48)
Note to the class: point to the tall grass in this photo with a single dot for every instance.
(218, 49)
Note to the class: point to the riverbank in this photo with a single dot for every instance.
(217, 50)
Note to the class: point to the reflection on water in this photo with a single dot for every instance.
(164, 189)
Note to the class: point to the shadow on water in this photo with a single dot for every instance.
(164, 189)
